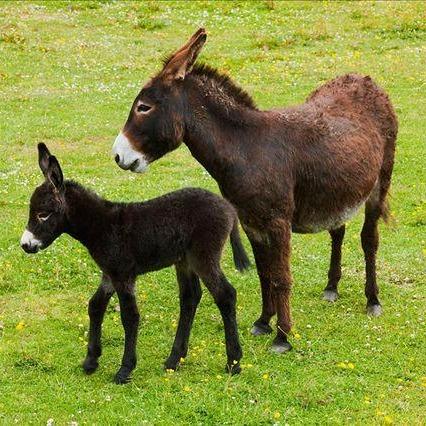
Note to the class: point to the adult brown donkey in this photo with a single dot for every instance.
(303, 169)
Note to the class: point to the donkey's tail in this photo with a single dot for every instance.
(241, 260)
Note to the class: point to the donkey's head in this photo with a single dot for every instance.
(156, 121)
(47, 213)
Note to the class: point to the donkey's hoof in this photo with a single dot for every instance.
(260, 329)
(374, 310)
(122, 377)
(90, 365)
(279, 346)
(330, 295)
(233, 369)
(170, 364)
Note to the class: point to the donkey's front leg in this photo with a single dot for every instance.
(272, 253)
(261, 256)
(97, 306)
(280, 275)
(130, 320)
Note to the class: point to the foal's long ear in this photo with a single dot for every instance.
(182, 61)
(43, 157)
(54, 173)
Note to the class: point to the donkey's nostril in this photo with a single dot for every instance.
(117, 158)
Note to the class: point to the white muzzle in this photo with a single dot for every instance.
(127, 157)
(30, 243)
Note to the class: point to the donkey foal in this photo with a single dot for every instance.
(187, 228)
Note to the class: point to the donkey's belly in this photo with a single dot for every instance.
(316, 221)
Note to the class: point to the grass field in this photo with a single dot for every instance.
(68, 75)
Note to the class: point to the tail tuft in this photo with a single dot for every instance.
(241, 259)
(386, 214)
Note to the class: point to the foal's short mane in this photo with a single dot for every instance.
(84, 193)
(239, 94)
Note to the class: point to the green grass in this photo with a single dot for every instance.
(68, 75)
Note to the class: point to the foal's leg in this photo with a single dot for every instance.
(370, 243)
(97, 306)
(335, 272)
(189, 296)
(261, 326)
(130, 320)
(225, 298)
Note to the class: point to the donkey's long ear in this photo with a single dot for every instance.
(182, 61)
(54, 173)
(43, 157)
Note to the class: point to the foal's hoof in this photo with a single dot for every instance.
(171, 365)
(122, 377)
(330, 295)
(260, 328)
(279, 346)
(233, 369)
(90, 365)
(374, 310)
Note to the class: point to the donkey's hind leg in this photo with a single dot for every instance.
(370, 243)
(335, 271)
(189, 296)
(97, 306)
(225, 297)
(130, 319)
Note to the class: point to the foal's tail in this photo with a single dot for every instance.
(241, 260)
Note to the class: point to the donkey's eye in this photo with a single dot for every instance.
(42, 217)
(143, 108)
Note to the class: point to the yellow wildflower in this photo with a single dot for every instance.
(265, 376)
(387, 420)
(187, 389)
(277, 415)
(20, 326)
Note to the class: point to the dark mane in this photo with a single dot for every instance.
(72, 184)
(87, 194)
(235, 91)
(239, 94)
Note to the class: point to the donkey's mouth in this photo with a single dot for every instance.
(30, 249)
(131, 166)
(134, 165)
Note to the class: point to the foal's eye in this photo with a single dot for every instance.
(143, 108)
(42, 217)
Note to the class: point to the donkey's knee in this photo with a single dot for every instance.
(225, 296)
(95, 308)
(191, 297)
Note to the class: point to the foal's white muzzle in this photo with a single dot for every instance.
(30, 243)
(127, 157)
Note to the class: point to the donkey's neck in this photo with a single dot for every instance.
(86, 215)
(217, 125)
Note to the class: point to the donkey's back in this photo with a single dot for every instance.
(342, 143)
(357, 97)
